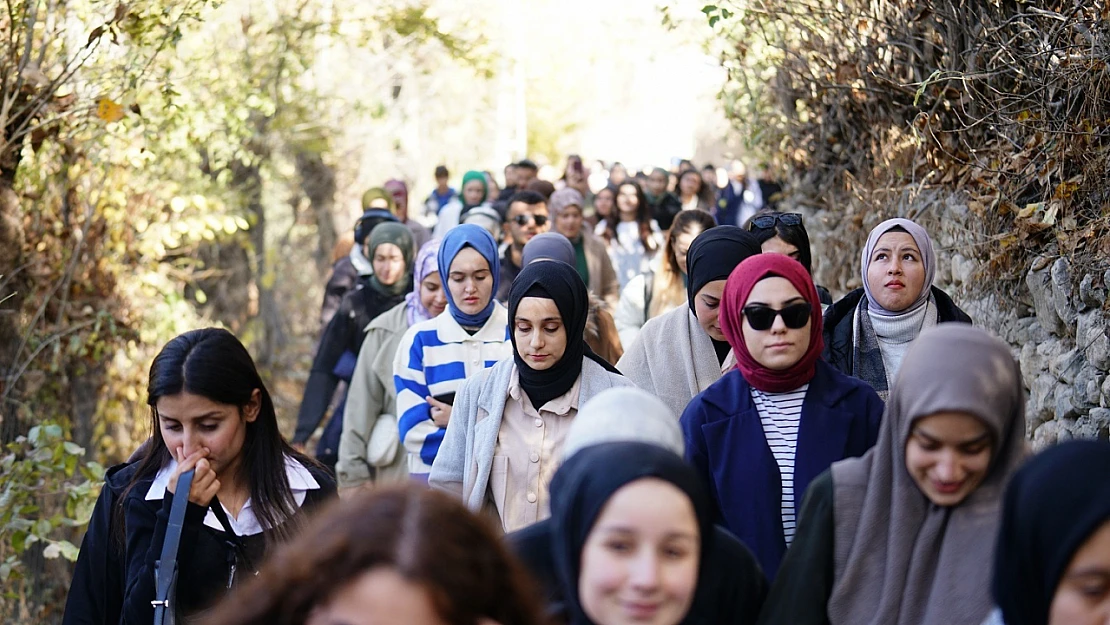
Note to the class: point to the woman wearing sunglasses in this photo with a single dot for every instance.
(784, 233)
(868, 331)
(762, 432)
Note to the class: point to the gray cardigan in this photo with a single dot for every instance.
(465, 457)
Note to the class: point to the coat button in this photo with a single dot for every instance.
(539, 423)
(531, 497)
(534, 457)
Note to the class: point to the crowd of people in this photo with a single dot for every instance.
(603, 400)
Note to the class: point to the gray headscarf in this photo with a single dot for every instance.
(550, 246)
(928, 257)
(899, 559)
(604, 419)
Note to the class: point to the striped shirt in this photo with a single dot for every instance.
(435, 357)
(781, 414)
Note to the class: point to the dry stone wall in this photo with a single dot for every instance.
(1055, 320)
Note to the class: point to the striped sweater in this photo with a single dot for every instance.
(781, 414)
(435, 357)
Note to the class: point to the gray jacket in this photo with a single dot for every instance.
(465, 457)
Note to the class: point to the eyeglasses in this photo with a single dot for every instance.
(522, 220)
(766, 222)
(763, 317)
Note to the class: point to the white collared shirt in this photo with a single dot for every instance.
(247, 524)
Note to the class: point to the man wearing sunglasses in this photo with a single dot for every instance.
(527, 217)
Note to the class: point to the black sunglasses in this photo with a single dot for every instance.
(766, 222)
(522, 220)
(762, 317)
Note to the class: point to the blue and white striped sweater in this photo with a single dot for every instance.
(436, 357)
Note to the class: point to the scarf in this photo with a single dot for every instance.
(399, 235)
(714, 254)
(477, 237)
(560, 283)
(585, 483)
(739, 286)
(898, 558)
(425, 264)
(928, 258)
(1052, 506)
(480, 177)
(881, 342)
(547, 246)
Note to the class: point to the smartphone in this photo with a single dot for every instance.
(447, 398)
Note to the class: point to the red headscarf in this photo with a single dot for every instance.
(739, 286)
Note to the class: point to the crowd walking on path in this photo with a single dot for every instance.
(613, 397)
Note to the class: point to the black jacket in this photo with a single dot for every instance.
(114, 582)
(96, 592)
(665, 208)
(344, 333)
(839, 328)
(343, 278)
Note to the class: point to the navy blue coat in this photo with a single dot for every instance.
(726, 444)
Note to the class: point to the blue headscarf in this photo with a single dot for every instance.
(477, 237)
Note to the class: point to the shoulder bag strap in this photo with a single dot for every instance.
(165, 570)
(232, 538)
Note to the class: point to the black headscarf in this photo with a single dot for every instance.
(712, 256)
(1052, 506)
(586, 482)
(561, 283)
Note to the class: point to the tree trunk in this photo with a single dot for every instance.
(13, 289)
(318, 184)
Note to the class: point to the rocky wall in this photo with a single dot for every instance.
(1055, 320)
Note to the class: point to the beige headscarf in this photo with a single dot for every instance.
(899, 559)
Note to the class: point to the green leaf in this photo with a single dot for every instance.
(709, 8)
(74, 448)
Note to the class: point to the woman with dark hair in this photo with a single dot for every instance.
(784, 233)
(631, 539)
(390, 250)
(680, 353)
(693, 193)
(210, 412)
(402, 554)
(869, 330)
(1052, 557)
(632, 235)
(651, 294)
(904, 534)
(604, 202)
(505, 439)
(767, 428)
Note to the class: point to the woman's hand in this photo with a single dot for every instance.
(205, 485)
(441, 412)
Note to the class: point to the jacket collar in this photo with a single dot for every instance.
(495, 329)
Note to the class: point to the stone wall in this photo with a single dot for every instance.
(1055, 321)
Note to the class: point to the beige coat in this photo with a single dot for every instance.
(603, 278)
(371, 395)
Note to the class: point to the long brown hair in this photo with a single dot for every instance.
(426, 536)
(643, 218)
(668, 289)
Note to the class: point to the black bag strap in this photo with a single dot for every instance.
(232, 537)
(166, 568)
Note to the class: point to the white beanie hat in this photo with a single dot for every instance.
(626, 414)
